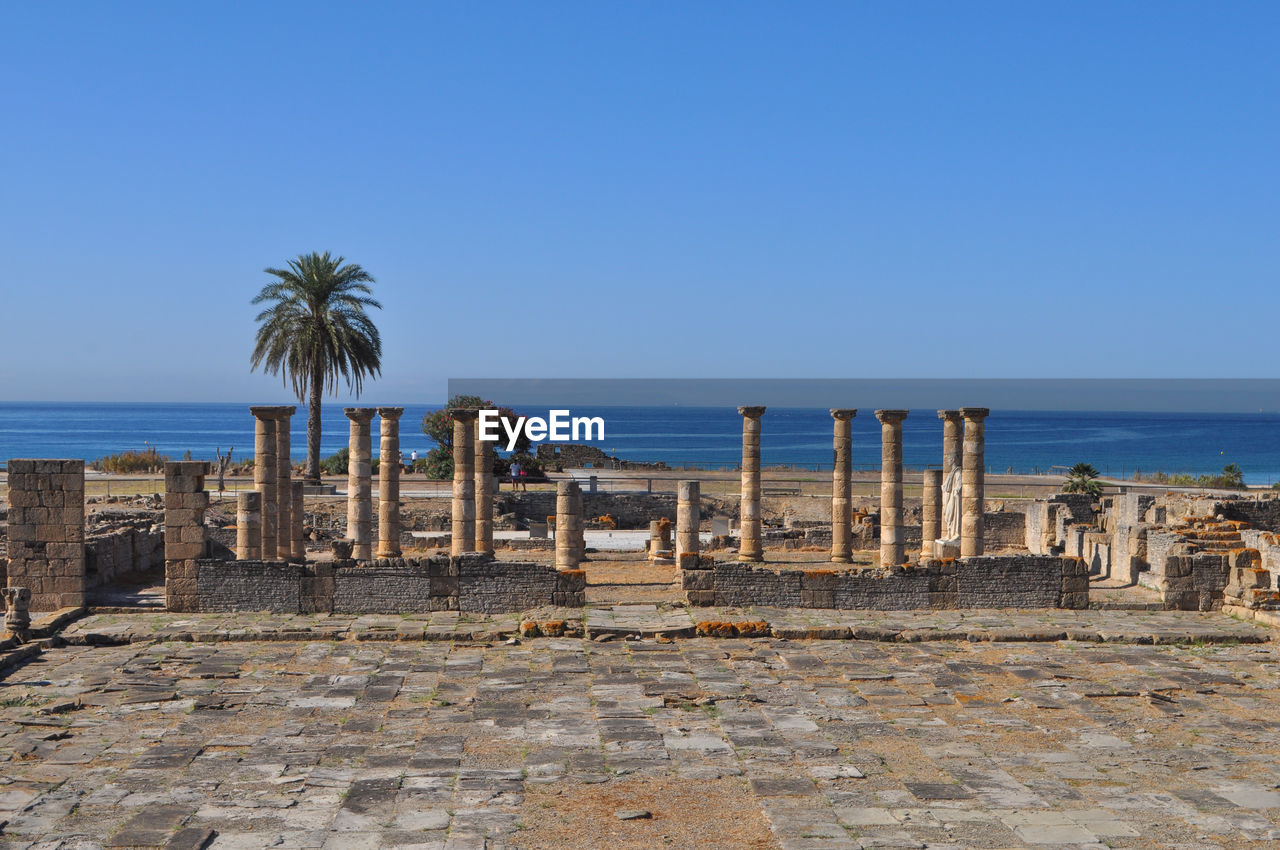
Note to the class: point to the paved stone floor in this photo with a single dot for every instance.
(719, 742)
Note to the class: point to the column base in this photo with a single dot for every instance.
(944, 549)
(841, 559)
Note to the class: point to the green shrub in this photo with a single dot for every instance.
(132, 461)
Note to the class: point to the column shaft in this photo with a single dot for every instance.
(264, 475)
(930, 511)
(892, 552)
(463, 526)
(688, 518)
(284, 488)
(485, 485)
(568, 525)
(842, 486)
(750, 547)
(298, 514)
(359, 483)
(248, 526)
(972, 502)
(389, 483)
(952, 442)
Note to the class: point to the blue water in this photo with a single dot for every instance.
(1025, 441)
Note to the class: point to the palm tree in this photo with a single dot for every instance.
(1082, 478)
(315, 331)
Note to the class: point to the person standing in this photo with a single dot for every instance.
(516, 472)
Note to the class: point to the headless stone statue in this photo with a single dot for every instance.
(17, 617)
(951, 506)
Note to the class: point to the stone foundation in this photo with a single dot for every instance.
(471, 583)
(1018, 581)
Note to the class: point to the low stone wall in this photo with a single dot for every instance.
(631, 510)
(1011, 581)
(387, 586)
(250, 586)
(1004, 530)
(1262, 514)
(111, 553)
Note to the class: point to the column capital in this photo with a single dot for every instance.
(463, 414)
(273, 411)
(360, 414)
(844, 413)
(891, 417)
(978, 413)
(751, 412)
(390, 412)
(948, 414)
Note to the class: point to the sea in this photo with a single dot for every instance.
(1115, 442)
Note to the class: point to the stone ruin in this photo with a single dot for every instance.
(938, 563)
(1197, 552)
(270, 570)
(949, 569)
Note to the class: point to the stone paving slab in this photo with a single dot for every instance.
(724, 743)
(1041, 625)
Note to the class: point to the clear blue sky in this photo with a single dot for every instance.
(869, 190)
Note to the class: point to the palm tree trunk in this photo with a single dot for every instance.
(313, 426)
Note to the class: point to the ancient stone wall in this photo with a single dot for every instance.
(1262, 514)
(46, 531)
(469, 583)
(116, 551)
(993, 581)
(272, 586)
(574, 456)
(1004, 530)
(630, 510)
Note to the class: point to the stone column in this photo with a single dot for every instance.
(389, 483)
(185, 535)
(298, 515)
(952, 437)
(464, 482)
(249, 526)
(568, 525)
(688, 518)
(971, 499)
(264, 475)
(750, 548)
(580, 526)
(284, 490)
(660, 541)
(930, 512)
(485, 485)
(841, 486)
(892, 553)
(359, 484)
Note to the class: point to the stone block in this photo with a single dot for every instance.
(444, 585)
(817, 598)
(192, 534)
(697, 580)
(175, 550)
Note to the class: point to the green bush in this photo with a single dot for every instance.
(132, 461)
(1231, 478)
(336, 463)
